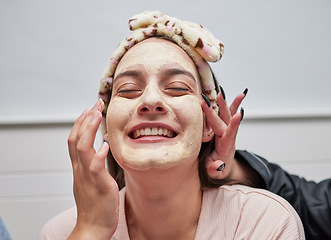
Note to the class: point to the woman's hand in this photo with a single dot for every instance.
(96, 192)
(221, 164)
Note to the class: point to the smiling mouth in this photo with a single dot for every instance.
(155, 131)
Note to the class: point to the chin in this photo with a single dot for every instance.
(164, 157)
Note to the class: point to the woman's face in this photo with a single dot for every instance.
(154, 119)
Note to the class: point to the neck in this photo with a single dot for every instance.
(163, 204)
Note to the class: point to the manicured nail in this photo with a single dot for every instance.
(222, 91)
(245, 91)
(206, 99)
(221, 167)
(242, 113)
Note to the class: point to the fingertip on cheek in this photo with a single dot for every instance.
(102, 105)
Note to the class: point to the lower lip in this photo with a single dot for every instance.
(152, 139)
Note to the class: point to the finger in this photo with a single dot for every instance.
(87, 132)
(98, 107)
(230, 134)
(237, 101)
(225, 147)
(225, 114)
(102, 178)
(85, 143)
(72, 139)
(215, 122)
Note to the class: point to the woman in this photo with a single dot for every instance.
(155, 123)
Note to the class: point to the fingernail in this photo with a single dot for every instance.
(222, 91)
(221, 167)
(106, 141)
(206, 99)
(242, 113)
(245, 91)
(104, 146)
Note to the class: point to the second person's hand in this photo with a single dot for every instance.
(220, 164)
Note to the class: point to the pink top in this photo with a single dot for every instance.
(229, 212)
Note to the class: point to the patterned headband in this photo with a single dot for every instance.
(194, 39)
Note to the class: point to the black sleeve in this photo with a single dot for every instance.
(311, 200)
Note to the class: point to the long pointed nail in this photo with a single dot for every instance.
(221, 167)
(242, 113)
(245, 91)
(206, 99)
(222, 91)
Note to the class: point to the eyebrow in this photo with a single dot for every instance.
(178, 71)
(130, 73)
(169, 72)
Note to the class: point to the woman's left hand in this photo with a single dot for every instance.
(220, 164)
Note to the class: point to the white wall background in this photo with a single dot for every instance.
(52, 54)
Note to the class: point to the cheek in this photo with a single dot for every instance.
(118, 113)
(190, 113)
(191, 118)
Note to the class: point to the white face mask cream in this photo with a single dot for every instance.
(146, 98)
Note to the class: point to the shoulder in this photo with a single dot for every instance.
(60, 226)
(254, 211)
(251, 196)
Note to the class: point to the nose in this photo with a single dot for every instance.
(152, 102)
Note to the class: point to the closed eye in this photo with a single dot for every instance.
(177, 91)
(129, 93)
(180, 89)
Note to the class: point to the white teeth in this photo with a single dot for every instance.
(169, 134)
(164, 131)
(153, 132)
(136, 134)
(148, 131)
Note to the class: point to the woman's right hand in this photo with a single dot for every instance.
(96, 192)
